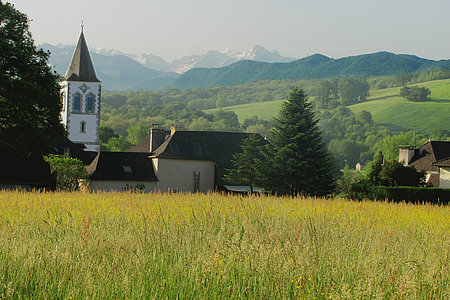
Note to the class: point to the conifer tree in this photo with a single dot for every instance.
(248, 163)
(300, 162)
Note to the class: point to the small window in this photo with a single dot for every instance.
(90, 103)
(197, 148)
(83, 127)
(174, 148)
(127, 169)
(77, 103)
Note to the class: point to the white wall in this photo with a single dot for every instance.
(107, 186)
(444, 177)
(178, 174)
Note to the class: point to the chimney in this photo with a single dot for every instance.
(156, 137)
(405, 154)
(174, 128)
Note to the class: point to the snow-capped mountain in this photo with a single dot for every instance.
(211, 59)
(222, 58)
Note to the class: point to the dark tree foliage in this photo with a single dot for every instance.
(415, 93)
(395, 173)
(300, 162)
(30, 105)
(248, 164)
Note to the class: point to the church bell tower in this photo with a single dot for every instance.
(81, 97)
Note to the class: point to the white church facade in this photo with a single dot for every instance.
(81, 97)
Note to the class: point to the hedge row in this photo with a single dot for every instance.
(412, 194)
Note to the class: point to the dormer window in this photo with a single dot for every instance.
(127, 169)
(174, 147)
(90, 105)
(76, 103)
(197, 148)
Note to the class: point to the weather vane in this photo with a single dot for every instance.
(82, 25)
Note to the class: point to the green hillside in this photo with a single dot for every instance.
(313, 67)
(386, 106)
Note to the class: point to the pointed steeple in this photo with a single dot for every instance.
(81, 67)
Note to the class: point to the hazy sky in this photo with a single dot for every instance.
(296, 28)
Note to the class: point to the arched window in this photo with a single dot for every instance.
(90, 105)
(76, 103)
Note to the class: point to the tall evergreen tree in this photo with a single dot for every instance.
(248, 163)
(30, 105)
(300, 162)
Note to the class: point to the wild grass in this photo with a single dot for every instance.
(213, 246)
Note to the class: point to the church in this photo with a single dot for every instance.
(167, 160)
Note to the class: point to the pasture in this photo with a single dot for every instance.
(214, 246)
(385, 105)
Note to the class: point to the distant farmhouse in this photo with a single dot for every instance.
(175, 160)
(432, 157)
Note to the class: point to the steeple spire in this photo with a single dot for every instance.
(81, 67)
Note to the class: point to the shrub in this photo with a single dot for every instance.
(412, 194)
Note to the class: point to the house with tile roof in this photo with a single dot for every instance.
(432, 157)
(190, 160)
(119, 171)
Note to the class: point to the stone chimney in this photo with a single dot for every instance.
(405, 154)
(156, 137)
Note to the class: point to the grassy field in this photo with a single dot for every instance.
(170, 246)
(385, 105)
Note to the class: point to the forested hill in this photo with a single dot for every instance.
(315, 66)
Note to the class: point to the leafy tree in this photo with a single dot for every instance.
(395, 173)
(30, 104)
(353, 90)
(248, 163)
(327, 90)
(68, 170)
(415, 93)
(117, 144)
(300, 162)
(374, 168)
(137, 133)
(105, 134)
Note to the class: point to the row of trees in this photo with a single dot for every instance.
(347, 91)
(295, 162)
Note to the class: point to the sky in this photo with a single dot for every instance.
(296, 28)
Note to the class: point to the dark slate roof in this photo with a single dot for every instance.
(33, 172)
(63, 146)
(122, 166)
(218, 147)
(81, 67)
(443, 163)
(428, 154)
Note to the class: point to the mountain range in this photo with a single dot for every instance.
(119, 71)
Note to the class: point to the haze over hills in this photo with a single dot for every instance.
(119, 71)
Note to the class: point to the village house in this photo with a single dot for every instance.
(433, 158)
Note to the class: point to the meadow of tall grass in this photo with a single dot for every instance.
(214, 246)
